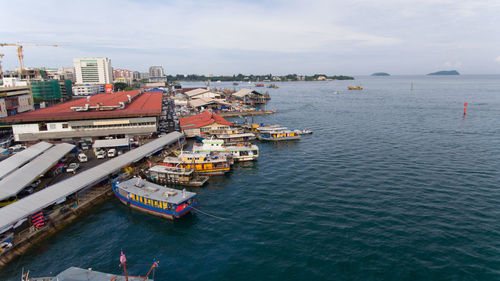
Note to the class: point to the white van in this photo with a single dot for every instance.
(112, 152)
(82, 157)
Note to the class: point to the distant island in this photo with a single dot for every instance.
(445, 72)
(380, 74)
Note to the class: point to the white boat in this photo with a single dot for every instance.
(240, 152)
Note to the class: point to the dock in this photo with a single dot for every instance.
(87, 188)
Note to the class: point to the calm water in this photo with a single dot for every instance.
(393, 185)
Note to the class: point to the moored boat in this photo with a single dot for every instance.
(240, 152)
(357, 87)
(278, 135)
(233, 139)
(162, 174)
(155, 199)
(203, 163)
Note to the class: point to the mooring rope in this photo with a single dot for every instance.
(214, 216)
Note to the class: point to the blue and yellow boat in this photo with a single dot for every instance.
(155, 199)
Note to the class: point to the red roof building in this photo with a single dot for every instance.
(203, 123)
(100, 106)
(120, 114)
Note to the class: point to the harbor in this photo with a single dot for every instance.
(317, 188)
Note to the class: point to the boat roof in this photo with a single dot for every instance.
(271, 128)
(230, 136)
(154, 191)
(171, 170)
(80, 274)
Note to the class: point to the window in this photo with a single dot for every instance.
(52, 126)
(65, 125)
(42, 127)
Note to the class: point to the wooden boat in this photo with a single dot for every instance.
(155, 199)
(272, 86)
(278, 135)
(240, 152)
(259, 85)
(233, 139)
(358, 87)
(203, 163)
(162, 174)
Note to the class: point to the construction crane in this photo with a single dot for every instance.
(20, 50)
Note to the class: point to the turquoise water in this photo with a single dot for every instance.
(394, 184)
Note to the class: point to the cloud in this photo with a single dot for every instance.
(226, 36)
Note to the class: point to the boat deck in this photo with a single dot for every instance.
(150, 190)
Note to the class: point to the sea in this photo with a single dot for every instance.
(395, 183)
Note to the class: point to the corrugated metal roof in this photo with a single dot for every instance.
(205, 101)
(244, 92)
(13, 183)
(16, 211)
(110, 143)
(195, 92)
(17, 160)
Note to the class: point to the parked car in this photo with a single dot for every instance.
(100, 154)
(72, 167)
(82, 157)
(111, 152)
(85, 146)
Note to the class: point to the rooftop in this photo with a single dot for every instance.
(115, 105)
(203, 119)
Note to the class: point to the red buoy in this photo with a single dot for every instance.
(465, 108)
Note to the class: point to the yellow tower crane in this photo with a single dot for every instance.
(20, 50)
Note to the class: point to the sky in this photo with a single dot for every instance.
(349, 37)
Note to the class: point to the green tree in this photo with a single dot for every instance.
(120, 86)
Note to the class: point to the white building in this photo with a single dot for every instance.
(87, 90)
(93, 71)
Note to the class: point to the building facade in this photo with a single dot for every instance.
(156, 71)
(124, 75)
(15, 100)
(86, 90)
(93, 71)
(120, 114)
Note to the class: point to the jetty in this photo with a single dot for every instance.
(63, 202)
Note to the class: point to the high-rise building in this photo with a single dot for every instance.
(93, 71)
(123, 75)
(156, 71)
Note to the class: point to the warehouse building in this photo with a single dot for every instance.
(118, 115)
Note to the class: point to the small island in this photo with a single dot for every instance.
(445, 72)
(380, 74)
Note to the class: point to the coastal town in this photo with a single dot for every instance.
(70, 141)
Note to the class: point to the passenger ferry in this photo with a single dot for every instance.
(155, 199)
(278, 135)
(231, 139)
(240, 152)
(203, 163)
(162, 174)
